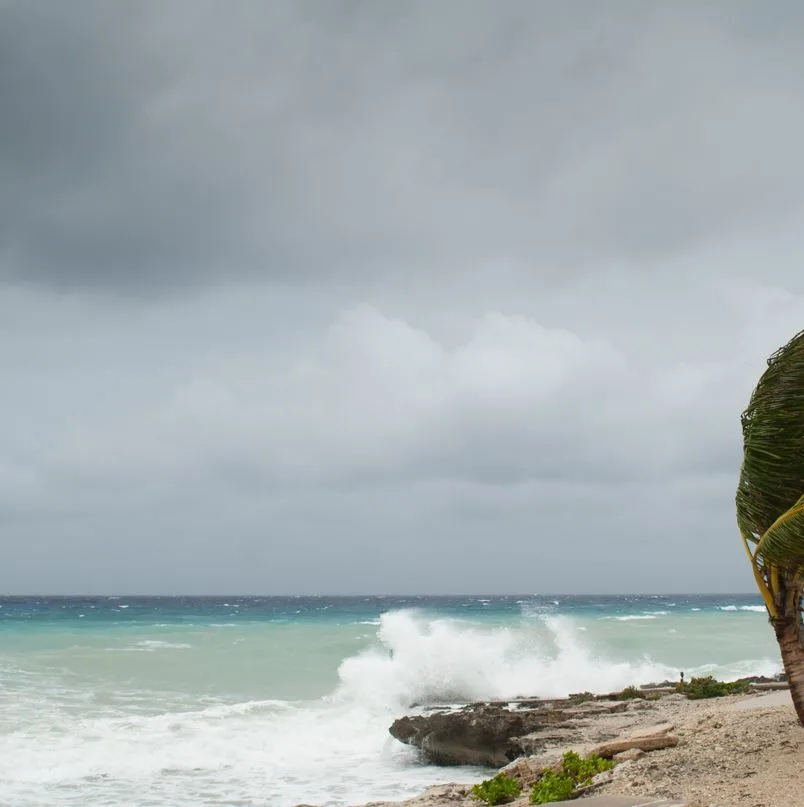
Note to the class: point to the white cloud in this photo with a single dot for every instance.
(375, 398)
(206, 446)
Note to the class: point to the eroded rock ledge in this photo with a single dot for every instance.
(492, 735)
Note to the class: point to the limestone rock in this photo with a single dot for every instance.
(602, 778)
(449, 795)
(632, 754)
(485, 734)
(534, 744)
(653, 731)
(526, 770)
(597, 708)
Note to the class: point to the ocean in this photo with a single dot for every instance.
(172, 702)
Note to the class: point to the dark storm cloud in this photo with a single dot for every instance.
(161, 144)
(415, 282)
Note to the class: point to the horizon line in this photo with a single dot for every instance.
(387, 596)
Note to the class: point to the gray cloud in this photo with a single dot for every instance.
(151, 145)
(355, 296)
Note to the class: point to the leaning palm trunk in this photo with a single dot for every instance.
(788, 634)
(770, 502)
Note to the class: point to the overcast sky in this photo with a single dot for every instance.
(345, 296)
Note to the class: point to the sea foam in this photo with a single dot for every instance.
(422, 660)
(334, 750)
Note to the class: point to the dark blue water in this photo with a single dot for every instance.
(338, 610)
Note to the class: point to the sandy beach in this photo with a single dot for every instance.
(731, 751)
(745, 751)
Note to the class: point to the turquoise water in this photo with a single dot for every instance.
(275, 701)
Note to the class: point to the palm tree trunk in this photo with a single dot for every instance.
(788, 630)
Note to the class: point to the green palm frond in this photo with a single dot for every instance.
(783, 543)
(770, 507)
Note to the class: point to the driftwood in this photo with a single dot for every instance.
(653, 743)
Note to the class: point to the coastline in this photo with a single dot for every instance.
(732, 751)
(301, 710)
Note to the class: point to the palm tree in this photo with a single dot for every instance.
(770, 502)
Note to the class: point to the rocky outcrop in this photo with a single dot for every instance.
(494, 734)
(484, 734)
(450, 795)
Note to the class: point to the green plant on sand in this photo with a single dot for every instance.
(500, 789)
(582, 769)
(552, 786)
(576, 771)
(709, 687)
(629, 693)
(770, 502)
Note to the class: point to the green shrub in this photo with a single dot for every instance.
(582, 769)
(576, 771)
(709, 687)
(580, 697)
(629, 693)
(498, 790)
(552, 786)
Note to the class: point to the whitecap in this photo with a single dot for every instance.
(152, 645)
(332, 750)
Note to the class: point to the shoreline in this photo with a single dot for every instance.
(734, 751)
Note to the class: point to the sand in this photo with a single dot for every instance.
(732, 751)
(738, 751)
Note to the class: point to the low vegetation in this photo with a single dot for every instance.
(552, 786)
(581, 697)
(499, 790)
(629, 693)
(576, 772)
(709, 687)
(582, 769)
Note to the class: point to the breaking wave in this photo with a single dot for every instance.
(422, 660)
